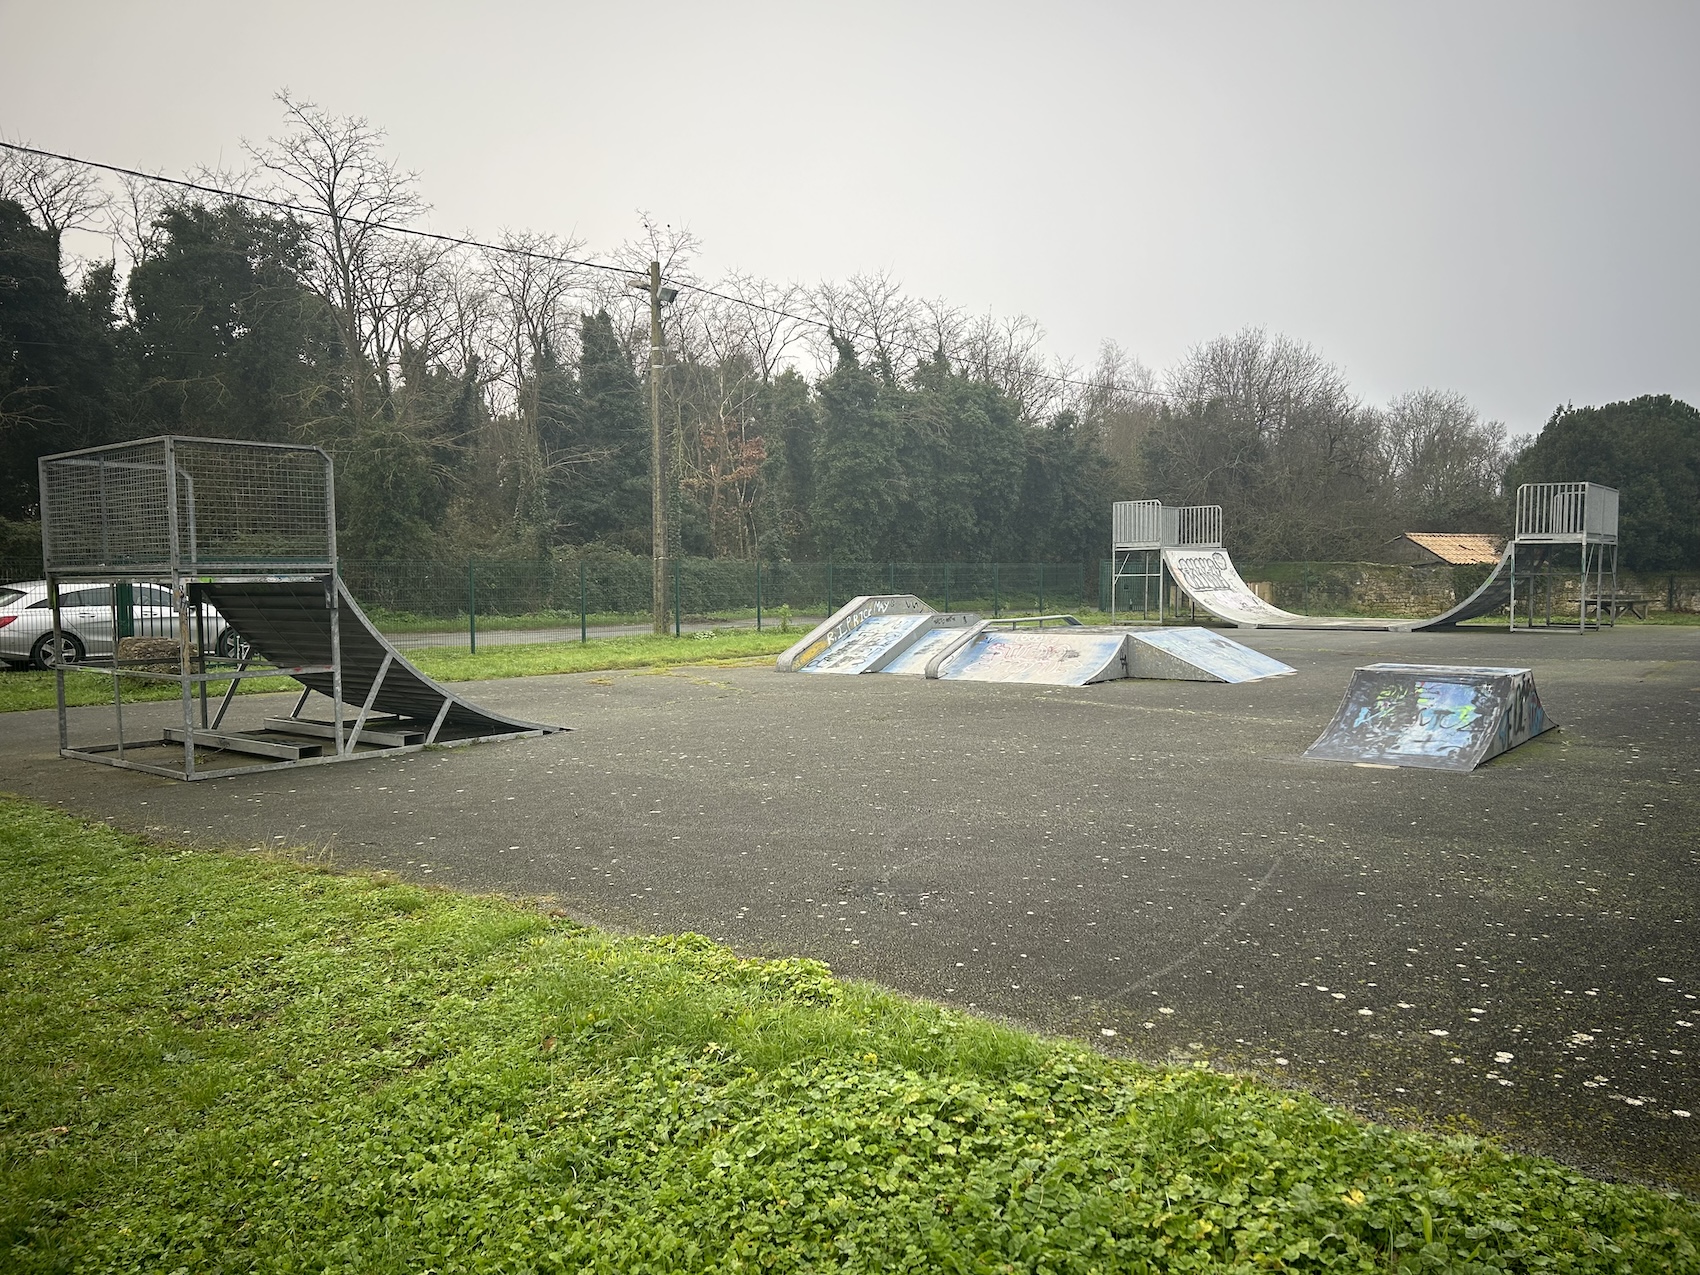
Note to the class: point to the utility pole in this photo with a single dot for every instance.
(657, 451)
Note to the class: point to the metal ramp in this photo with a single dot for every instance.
(1198, 655)
(1432, 716)
(1153, 544)
(900, 634)
(249, 528)
(291, 626)
(1492, 596)
(1209, 578)
(1069, 654)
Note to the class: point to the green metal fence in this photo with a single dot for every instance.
(499, 601)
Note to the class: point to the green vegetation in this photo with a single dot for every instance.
(20, 691)
(1649, 449)
(215, 1061)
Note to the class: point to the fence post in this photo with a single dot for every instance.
(891, 578)
(583, 621)
(829, 588)
(947, 586)
(1041, 588)
(996, 600)
(677, 618)
(758, 595)
(471, 607)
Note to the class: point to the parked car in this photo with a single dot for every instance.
(85, 622)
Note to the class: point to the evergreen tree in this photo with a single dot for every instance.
(64, 371)
(1649, 449)
(859, 483)
(231, 343)
(596, 435)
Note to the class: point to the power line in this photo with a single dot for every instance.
(286, 206)
(510, 250)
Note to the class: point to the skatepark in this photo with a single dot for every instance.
(1150, 864)
(1094, 860)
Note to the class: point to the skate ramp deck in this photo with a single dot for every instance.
(1208, 577)
(1070, 655)
(289, 625)
(1494, 595)
(1198, 655)
(1433, 716)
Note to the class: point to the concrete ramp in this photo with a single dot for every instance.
(1434, 716)
(1208, 577)
(289, 624)
(1069, 655)
(1198, 655)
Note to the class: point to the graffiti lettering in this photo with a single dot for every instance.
(1204, 571)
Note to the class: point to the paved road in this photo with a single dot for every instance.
(1512, 951)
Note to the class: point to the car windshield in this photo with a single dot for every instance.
(9, 596)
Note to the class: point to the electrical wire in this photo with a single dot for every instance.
(509, 250)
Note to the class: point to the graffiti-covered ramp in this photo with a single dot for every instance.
(1433, 716)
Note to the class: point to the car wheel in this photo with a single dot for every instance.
(232, 645)
(44, 656)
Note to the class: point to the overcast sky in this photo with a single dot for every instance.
(1498, 198)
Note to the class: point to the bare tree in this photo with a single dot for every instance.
(1445, 463)
(874, 315)
(1007, 353)
(333, 168)
(58, 194)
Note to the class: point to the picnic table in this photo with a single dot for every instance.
(1612, 605)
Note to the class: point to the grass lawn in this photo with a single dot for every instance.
(27, 690)
(214, 1061)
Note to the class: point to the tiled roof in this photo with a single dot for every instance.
(1461, 548)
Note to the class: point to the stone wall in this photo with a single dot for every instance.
(1370, 588)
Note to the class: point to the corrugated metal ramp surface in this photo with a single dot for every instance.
(289, 624)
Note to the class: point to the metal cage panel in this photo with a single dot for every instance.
(1566, 513)
(198, 506)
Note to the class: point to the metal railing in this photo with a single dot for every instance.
(1569, 513)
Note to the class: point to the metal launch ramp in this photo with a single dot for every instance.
(1198, 655)
(248, 529)
(290, 626)
(1433, 716)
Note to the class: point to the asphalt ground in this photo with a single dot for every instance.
(1148, 866)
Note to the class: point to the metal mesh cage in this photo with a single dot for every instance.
(239, 507)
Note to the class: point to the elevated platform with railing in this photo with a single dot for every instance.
(1141, 530)
(1550, 519)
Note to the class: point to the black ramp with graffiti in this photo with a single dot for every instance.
(1435, 716)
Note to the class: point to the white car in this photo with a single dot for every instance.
(85, 622)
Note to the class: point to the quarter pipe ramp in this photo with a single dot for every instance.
(289, 625)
